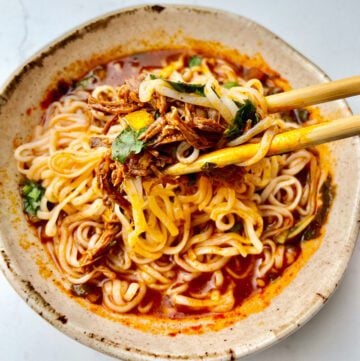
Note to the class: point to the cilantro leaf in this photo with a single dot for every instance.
(187, 88)
(32, 194)
(230, 84)
(183, 87)
(127, 143)
(246, 111)
(195, 61)
(156, 114)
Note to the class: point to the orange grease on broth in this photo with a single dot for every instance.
(195, 325)
(252, 303)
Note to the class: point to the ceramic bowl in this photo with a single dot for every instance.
(25, 263)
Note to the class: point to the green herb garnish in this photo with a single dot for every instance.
(230, 84)
(127, 143)
(156, 114)
(183, 87)
(32, 193)
(195, 61)
(246, 111)
(327, 196)
(187, 88)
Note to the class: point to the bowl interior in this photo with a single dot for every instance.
(140, 29)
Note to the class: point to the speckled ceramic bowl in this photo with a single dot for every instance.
(26, 265)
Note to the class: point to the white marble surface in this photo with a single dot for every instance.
(328, 32)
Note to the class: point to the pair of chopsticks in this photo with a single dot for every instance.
(294, 139)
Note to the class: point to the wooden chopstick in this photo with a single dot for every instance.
(314, 94)
(282, 143)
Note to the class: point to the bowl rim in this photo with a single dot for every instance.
(9, 86)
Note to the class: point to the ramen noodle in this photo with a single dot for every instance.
(124, 234)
